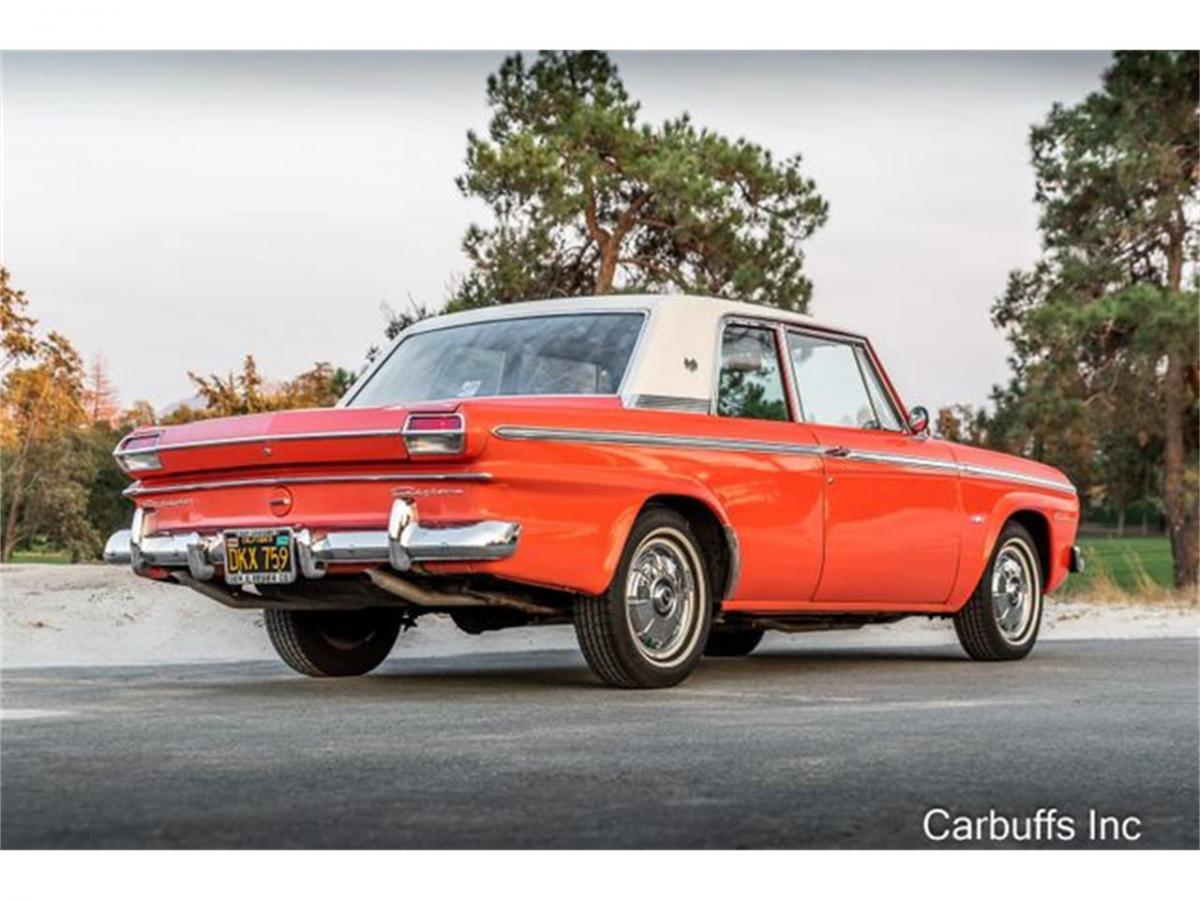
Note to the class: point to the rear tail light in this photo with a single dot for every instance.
(427, 434)
(141, 462)
(137, 454)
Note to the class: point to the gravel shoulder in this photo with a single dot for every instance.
(90, 615)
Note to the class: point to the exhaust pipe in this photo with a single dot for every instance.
(422, 596)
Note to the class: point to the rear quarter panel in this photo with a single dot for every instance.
(577, 501)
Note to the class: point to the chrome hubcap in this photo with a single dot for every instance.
(661, 597)
(1014, 591)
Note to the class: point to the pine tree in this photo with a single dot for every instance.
(99, 395)
(589, 200)
(1104, 328)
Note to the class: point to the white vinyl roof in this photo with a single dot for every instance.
(674, 361)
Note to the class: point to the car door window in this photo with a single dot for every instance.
(751, 382)
(885, 413)
(832, 380)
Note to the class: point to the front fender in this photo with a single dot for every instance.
(988, 510)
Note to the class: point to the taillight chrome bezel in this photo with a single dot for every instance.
(137, 452)
(435, 434)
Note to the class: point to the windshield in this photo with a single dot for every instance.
(561, 354)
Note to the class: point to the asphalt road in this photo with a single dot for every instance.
(795, 748)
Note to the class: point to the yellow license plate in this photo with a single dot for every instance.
(260, 556)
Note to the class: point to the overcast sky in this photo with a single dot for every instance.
(176, 211)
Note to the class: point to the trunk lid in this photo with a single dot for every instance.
(309, 437)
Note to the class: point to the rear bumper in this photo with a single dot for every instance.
(1076, 563)
(404, 543)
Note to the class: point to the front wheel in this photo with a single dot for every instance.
(1002, 618)
(334, 643)
(649, 629)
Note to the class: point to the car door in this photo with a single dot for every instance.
(770, 483)
(892, 507)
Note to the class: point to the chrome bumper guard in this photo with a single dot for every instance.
(404, 543)
(1076, 563)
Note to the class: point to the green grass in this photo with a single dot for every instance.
(48, 557)
(1129, 563)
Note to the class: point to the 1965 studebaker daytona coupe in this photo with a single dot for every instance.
(674, 475)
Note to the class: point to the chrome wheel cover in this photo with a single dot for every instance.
(663, 597)
(1016, 591)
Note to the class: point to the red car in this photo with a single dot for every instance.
(673, 475)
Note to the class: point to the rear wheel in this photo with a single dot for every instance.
(733, 641)
(1002, 618)
(649, 629)
(335, 643)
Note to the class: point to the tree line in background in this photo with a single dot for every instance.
(60, 487)
(587, 199)
(1103, 328)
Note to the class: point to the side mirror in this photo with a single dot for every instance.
(918, 421)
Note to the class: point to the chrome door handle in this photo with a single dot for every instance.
(840, 452)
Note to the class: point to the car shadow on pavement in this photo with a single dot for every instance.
(492, 673)
(844, 655)
(558, 671)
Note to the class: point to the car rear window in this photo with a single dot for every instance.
(560, 354)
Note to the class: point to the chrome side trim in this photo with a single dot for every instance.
(633, 438)
(902, 460)
(962, 468)
(1005, 475)
(264, 439)
(136, 489)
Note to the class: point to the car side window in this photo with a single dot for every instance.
(885, 413)
(836, 384)
(751, 382)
